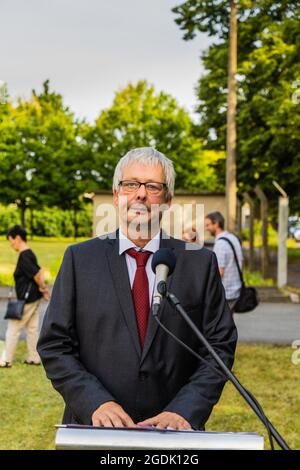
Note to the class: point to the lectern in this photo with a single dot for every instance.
(75, 437)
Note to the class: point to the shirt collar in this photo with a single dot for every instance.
(125, 244)
(222, 234)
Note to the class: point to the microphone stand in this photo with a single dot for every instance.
(252, 402)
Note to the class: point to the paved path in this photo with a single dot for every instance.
(268, 323)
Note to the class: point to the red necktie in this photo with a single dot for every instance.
(140, 291)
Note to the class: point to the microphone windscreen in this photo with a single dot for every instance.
(164, 256)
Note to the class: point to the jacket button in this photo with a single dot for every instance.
(143, 376)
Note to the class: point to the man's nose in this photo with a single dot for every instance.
(141, 193)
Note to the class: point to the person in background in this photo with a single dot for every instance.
(28, 277)
(214, 224)
(189, 235)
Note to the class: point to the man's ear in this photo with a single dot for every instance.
(116, 198)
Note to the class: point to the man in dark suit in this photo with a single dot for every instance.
(100, 347)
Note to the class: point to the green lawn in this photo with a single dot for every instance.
(49, 254)
(30, 407)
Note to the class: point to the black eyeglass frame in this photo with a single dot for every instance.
(140, 184)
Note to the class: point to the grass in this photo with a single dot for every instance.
(30, 407)
(49, 253)
(255, 279)
(294, 254)
(268, 372)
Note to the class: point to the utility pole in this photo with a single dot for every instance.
(264, 207)
(231, 187)
(282, 254)
(250, 202)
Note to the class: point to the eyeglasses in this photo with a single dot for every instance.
(134, 186)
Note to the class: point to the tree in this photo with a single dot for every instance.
(268, 117)
(18, 147)
(231, 197)
(41, 160)
(141, 117)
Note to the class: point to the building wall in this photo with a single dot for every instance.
(185, 208)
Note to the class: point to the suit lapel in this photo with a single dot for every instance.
(121, 282)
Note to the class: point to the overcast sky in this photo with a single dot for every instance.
(89, 49)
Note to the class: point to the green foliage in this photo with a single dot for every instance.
(50, 159)
(207, 16)
(268, 84)
(41, 158)
(140, 117)
(9, 216)
(255, 279)
(204, 173)
(49, 222)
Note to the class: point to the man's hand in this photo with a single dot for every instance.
(222, 271)
(40, 280)
(111, 415)
(44, 291)
(166, 420)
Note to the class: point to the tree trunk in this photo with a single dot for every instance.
(239, 219)
(231, 188)
(75, 224)
(282, 253)
(31, 223)
(23, 213)
(264, 230)
(250, 201)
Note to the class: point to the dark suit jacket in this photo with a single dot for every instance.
(89, 342)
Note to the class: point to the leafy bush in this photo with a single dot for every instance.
(49, 222)
(9, 216)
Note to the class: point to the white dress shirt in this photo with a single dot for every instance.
(153, 246)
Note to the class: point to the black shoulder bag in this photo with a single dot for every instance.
(15, 307)
(248, 298)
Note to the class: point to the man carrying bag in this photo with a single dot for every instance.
(228, 250)
(248, 299)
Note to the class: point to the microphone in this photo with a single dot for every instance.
(163, 264)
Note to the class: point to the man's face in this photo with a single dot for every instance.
(135, 207)
(189, 235)
(14, 242)
(210, 227)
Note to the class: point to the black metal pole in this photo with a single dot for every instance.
(175, 303)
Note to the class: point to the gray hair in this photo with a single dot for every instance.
(147, 156)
